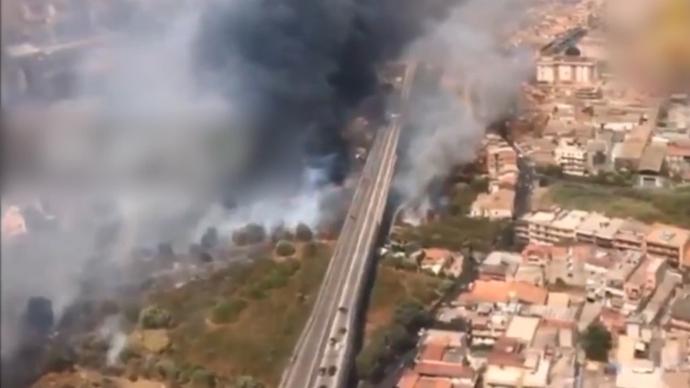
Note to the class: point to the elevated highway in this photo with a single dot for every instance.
(324, 352)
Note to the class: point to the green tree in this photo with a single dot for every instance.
(155, 317)
(255, 233)
(285, 248)
(411, 316)
(227, 311)
(202, 378)
(597, 342)
(303, 233)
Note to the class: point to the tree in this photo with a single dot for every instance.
(255, 233)
(411, 315)
(227, 311)
(597, 342)
(202, 378)
(155, 317)
(285, 248)
(303, 233)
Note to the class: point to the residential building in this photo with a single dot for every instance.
(631, 235)
(503, 292)
(442, 261)
(499, 159)
(642, 283)
(522, 329)
(632, 149)
(680, 315)
(572, 157)
(598, 229)
(494, 205)
(549, 227)
(541, 254)
(669, 242)
(511, 365)
(678, 157)
(617, 276)
(651, 168)
(567, 69)
(597, 267)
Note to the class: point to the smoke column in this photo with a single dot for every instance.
(470, 47)
(197, 103)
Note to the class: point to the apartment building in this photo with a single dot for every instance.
(669, 242)
(495, 205)
(572, 157)
(599, 230)
(567, 69)
(550, 227)
(631, 235)
(642, 283)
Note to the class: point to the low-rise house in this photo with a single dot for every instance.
(651, 169)
(631, 235)
(442, 261)
(642, 283)
(598, 229)
(669, 242)
(678, 157)
(511, 365)
(499, 265)
(541, 254)
(616, 278)
(572, 157)
(503, 292)
(495, 205)
(522, 329)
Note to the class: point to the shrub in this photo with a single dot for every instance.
(285, 248)
(155, 317)
(202, 378)
(228, 311)
(597, 342)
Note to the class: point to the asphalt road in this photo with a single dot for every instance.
(324, 351)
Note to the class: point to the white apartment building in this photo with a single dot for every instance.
(566, 69)
(572, 157)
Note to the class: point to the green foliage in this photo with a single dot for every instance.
(458, 232)
(202, 378)
(303, 233)
(250, 234)
(667, 206)
(285, 248)
(228, 311)
(246, 382)
(155, 317)
(411, 316)
(596, 342)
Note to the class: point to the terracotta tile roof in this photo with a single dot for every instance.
(444, 369)
(668, 235)
(496, 291)
(433, 352)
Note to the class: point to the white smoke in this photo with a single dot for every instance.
(470, 48)
(117, 340)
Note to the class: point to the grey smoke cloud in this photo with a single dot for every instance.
(469, 47)
(196, 100)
